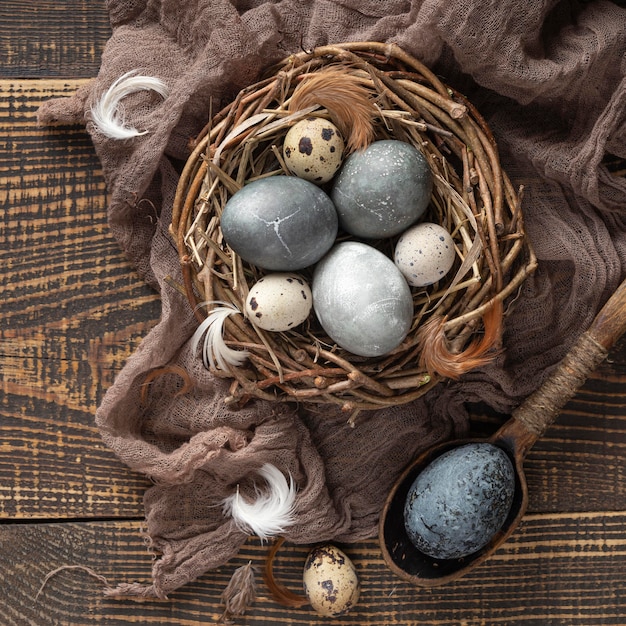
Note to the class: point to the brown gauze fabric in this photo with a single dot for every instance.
(549, 77)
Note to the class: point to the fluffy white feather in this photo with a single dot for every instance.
(108, 114)
(215, 353)
(271, 512)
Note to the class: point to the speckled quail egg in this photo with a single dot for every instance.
(424, 254)
(279, 302)
(460, 500)
(330, 581)
(313, 149)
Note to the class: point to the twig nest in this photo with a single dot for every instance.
(241, 213)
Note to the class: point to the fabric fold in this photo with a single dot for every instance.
(549, 79)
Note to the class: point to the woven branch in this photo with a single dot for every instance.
(472, 198)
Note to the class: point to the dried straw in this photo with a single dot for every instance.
(473, 198)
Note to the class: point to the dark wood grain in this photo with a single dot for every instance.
(581, 554)
(52, 38)
(579, 464)
(72, 311)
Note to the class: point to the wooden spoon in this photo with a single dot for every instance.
(517, 436)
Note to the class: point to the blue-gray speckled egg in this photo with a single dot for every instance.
(460, 500)
(382, 190)
(280, 223)
(361, 299)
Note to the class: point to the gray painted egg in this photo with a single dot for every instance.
(280, 223)
(361, 299)
(459, 501)
(382, 190)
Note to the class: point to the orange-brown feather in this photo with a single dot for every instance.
(161, 371)
(279, 592)
(349, 104)
(436, 356)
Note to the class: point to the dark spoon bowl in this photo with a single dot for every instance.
(516, 437)
(417, 568)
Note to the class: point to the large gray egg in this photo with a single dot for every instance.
(382, 190)
(459, 501)
(361, 299)
(280, 223)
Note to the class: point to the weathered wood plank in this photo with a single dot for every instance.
(559, 570)
(580, 463)
(51, 447)
(53, 464)
(72, 311)
(51, 38)
(63, 273)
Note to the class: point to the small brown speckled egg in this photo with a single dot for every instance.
(330, 581)
(279, 301)
(424, 254)
(313, 150)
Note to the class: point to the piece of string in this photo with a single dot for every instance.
(63, 568)
(279, 592)
(540, 409)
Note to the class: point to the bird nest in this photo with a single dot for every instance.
(457, 322)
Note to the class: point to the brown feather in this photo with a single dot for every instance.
(161, 371)
(349, 104)
(279, 592)
(239, 594)
(436, 356)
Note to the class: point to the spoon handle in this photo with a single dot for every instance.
(540, 409)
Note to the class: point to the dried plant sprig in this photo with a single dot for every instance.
(162, 371)
(108, 114)
(215, 353)
(436, 356)
(273, 509)
(239, 594)
(349, 104)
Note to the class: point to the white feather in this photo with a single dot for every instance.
(272, 511)
(215, 353)
(108, 114)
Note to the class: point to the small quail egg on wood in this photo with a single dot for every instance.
(424, 254)
(330, 581)
(313, 149)
(279, 301)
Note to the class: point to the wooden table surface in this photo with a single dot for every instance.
(72, 310)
